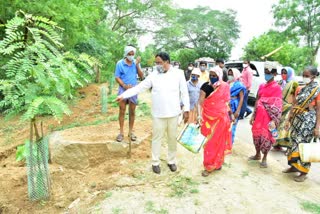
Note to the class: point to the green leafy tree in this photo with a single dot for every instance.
(38, 76)
(99, 28)
(148, 56)
(209, 32)
(301, 21)
(184, 56)
(288, 55)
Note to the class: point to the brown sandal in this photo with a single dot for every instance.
(119, 138)
(289, 170)
(205, 173)
(254, 157)
(132, 137)
(263, 165)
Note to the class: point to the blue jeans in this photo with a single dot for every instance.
(244, 107)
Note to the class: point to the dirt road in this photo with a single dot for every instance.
(240, 187)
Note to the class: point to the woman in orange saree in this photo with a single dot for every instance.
(216, 122)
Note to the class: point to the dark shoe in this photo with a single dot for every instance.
(300, 178)
(205, 173)
(156, 169)
(248, 114)
(240, 118)
(290, 170)
(172, 167)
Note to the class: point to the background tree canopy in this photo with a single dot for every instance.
(299, 35)
(301, 22)
(208, 32)
(101, 28)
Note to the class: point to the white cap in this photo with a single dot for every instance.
(196, 71)
(270, 65)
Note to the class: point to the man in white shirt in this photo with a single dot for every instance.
(167, 87)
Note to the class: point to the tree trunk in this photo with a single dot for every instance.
(97, 70)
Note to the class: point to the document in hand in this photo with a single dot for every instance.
(191, 138)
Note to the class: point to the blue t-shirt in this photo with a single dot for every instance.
(128, 74)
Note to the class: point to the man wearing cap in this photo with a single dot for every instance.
(194, 85)
(246, 79)
(126, 76)
(167, 87)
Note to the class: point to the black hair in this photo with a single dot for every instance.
(203, 63)
(191, 63)
(313, 70)
(219, 60)
(273, 70)
(164, 56)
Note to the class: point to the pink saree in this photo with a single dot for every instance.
(269, 107)
(216, 127)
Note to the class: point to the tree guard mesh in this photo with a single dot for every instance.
(38, 169)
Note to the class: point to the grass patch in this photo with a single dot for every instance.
(112, 118)
(111, 100)
(79, 124)
(116, 210)
(143, 109)
(197, 202)
(150, 208)
(228, 165)
(108, 194)
(310, 207)
(245, 174)
(181, 185)
(193, 191)
(139, 176)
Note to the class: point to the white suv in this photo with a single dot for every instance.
(258, 74)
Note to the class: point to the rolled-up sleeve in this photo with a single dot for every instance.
(184, 93)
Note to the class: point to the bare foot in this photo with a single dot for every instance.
(254, 157)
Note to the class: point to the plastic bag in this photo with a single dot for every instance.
(310, 152)
(191, 138)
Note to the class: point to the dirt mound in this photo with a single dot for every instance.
(67, 184)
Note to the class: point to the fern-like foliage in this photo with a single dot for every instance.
(38, 76)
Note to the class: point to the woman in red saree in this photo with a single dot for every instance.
(216, 124)
(267, 113)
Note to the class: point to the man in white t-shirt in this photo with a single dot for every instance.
(168, 88)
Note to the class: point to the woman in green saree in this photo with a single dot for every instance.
(304, 122)
(289, 87)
